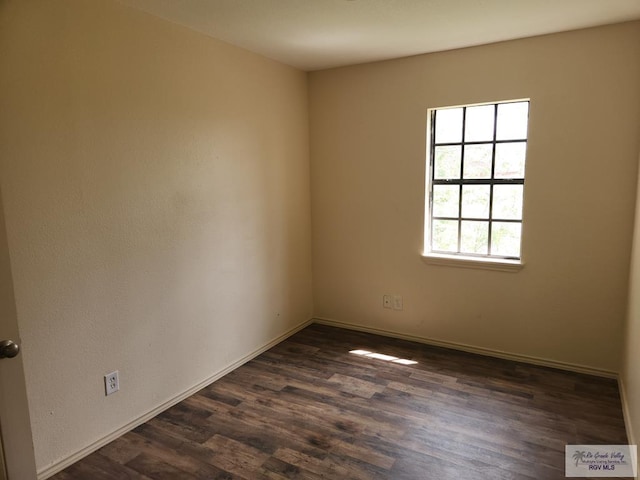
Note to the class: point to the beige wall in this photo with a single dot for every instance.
(630, 375)
(156, 192)
(367, 169)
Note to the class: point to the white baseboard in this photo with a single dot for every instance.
(631, 438)
(471, 349)
(63, 463)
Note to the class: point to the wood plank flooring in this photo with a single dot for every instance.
(309, 409)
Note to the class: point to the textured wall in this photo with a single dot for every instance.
(630, 377)
(367, 168)
(156, 191)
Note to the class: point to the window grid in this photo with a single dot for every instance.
(461, 182)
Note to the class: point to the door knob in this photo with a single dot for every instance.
(9, 349)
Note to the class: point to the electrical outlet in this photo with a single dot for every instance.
(386, 301)
(111, 383)
(397, 302)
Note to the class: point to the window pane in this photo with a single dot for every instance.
(475, 201)
(477, 161)
(510, 159)
(505, 239)
(444, 235)
(479, 123)
(447, 162)
(474, 237)
(449, 125)
(507, 202)
(512, 121)
(445, 200)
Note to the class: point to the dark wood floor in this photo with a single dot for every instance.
(309, 409)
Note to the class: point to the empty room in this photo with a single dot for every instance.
(304, 239)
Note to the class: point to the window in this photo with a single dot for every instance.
(476, 168)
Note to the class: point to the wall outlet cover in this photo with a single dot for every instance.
(386, 301)
(397, 302)
(111, 383)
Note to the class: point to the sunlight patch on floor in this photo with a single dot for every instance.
(382, 356)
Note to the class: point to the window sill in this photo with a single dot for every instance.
(473, 262)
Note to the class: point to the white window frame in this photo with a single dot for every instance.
(488, 261)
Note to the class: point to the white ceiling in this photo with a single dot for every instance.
(318, 34)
